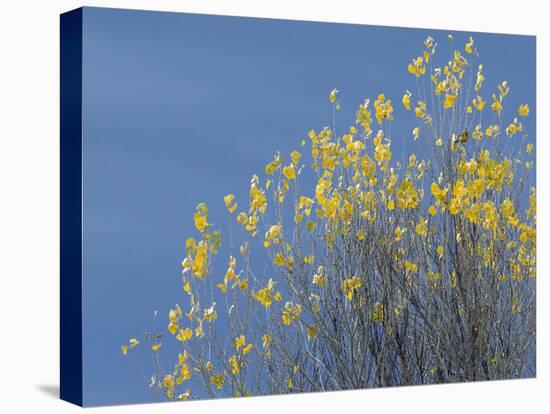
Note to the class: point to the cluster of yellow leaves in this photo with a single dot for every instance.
(383, 108)
(273, 235)
(446, 80)
(303, 208)
(399, 232)
(218, 380)
(197, 257)
(364, 118)
(181, 373)
(236, 361)
(291, 312)
(319, 278)
(350, 286)
(514, 127)
(201, 218)
(417, 66)
(174, 326)
(231, 279)
(240, 343)
(229, 203)
(410, 267)
(274, 165)
(407, 195)
(173, 317)
(267, 295)
(503, 90)
(132, 343)
(382, 152)
(210, 314)
(284, 261)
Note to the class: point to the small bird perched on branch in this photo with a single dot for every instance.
(462, 138)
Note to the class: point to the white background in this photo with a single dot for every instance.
(29, 206)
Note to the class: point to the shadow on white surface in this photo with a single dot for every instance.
(51, 390)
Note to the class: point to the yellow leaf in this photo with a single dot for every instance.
(247, 349)
(311, 332)
(289, 172)
(332, 95)
(295, 157)
(240, 341)
(523, 110)
(172, 328)
(184, 334)
(200, 222)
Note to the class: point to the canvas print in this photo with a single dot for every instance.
(275, 207)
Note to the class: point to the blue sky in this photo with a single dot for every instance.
(182, 108)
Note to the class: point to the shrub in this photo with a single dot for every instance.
(384, 273)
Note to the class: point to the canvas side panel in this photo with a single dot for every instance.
(71, 206)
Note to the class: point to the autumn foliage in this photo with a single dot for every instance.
(383, 272)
